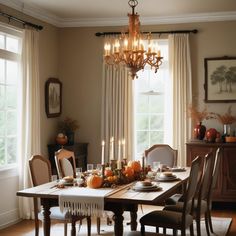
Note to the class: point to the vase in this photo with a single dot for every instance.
(70, 137)
(199, 131)
(227, 129)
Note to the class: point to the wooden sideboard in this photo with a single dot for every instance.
(226, 185)
(80, 150)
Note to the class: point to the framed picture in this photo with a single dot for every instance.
(53, 97)
(220, 79)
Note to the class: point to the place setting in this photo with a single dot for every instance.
(166, 177)
(146, 186)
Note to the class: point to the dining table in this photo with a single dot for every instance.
(122, 198)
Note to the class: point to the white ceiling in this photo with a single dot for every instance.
(64, 13)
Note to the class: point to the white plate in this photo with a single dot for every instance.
(151, 188)
(164, 179)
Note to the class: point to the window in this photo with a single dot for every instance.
(10, 47)
(152, 105)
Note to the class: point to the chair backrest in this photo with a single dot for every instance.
(192, 185)
(65, 163)
(163, 153)
(40, 170)
(206, 177)
(215, 172)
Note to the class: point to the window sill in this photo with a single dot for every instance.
(8, 172)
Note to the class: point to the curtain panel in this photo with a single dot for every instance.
(30, 115)
(180, 74)
(117, 110)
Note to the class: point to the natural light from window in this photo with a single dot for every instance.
(152, 105)
(9, 74)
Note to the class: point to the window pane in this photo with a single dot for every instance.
(11, 150)
(11, 125)
(2, 123)
(142, 122)
(156, 137)
(12, 44)
(2, 71)
(12, 71)
(2, 97)
(143, 84)
(142, 104)
(156, 122)
(1, 41)
(156, 103)
(2, 152)
(11, 97)
(142, 141)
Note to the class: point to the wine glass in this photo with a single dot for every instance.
(90, 168)
(99, 169)
(156, 166)
(78, 172)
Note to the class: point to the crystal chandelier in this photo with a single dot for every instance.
(129, 49)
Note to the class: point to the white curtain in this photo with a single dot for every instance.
(117, 110)
(180, 73)
(30, 114)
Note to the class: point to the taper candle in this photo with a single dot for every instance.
(103, 158)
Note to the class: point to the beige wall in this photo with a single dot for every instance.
(80, 69)
(48, 67)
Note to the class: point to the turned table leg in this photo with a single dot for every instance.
(46, 216)
(118, 220)
(133, 216)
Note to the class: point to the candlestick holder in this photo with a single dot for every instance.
(125, 161)
(113, 164)
(103, 171)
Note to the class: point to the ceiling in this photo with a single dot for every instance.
(64, 13)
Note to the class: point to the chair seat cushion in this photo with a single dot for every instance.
(171, 219)
(174, 199)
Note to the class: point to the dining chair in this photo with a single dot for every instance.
(176, 220)
(162, 153)
(201, 198)
(40, 170)
(65, 164)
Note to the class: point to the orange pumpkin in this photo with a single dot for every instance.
(128, 171)
(135, 165)
(94, 181)
(108, 172)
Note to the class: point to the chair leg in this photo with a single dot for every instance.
(73, 228)
(157, 230)
(183, 232)
(207, 224)
(174, 232)
(65, 229)
(198, 223)
(209, 219)
(142, 230)
(36, 220)
(191, 230)
(164, 230)
(89, 225)
(98, 225)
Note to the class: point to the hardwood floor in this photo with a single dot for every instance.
(26, 227)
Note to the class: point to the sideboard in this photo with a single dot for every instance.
(226, 185)
(80, 150)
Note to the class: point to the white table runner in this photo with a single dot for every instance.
(83, 201)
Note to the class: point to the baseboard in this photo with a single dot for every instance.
(9, 218)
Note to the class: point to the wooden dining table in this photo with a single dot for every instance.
(123, 198)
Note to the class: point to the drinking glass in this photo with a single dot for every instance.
(90, 168)
(53, 177)
(156, 166)
(99, 169)
(78, 172)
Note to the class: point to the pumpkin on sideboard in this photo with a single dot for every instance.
(211, 135)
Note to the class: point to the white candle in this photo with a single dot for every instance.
(123, 142)
(119, 166)
(112, 148)
(103, 158)
(119, 146)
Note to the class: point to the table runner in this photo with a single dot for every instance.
(83, 201)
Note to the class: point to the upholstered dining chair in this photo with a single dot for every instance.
(40, 170)
(200, 206)
(163, 153)
(65, 164)
(176, 220)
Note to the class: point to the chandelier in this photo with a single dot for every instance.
(129, 48)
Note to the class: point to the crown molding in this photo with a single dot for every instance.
(90, 22)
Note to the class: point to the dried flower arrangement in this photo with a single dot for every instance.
(227, 118)
(68, 125)
(199, 116)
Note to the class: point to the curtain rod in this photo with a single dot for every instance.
(98, 34)
(38, 27)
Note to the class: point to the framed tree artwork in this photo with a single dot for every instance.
(220, 79)
(53, 97)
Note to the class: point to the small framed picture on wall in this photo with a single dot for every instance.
(53, 97)
(220, 79)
